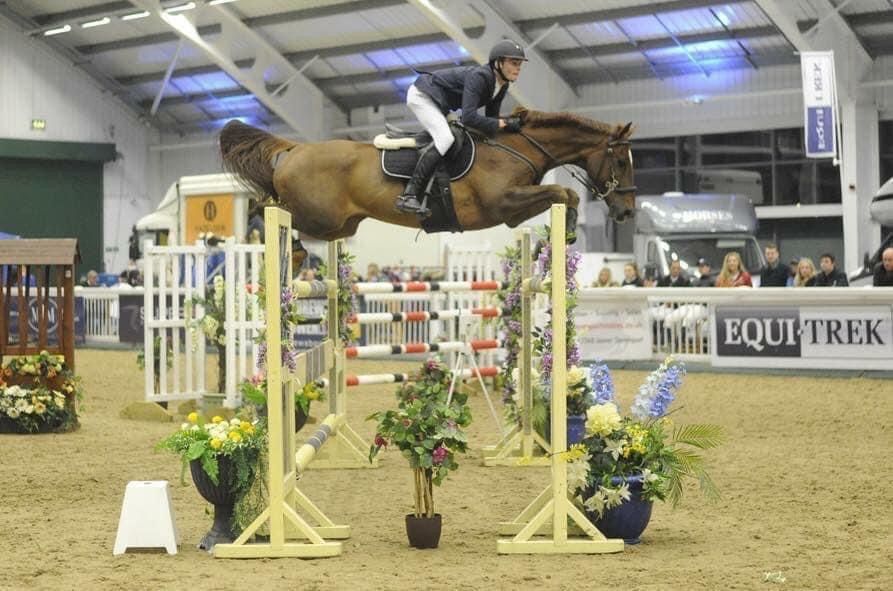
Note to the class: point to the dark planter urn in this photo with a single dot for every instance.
(576, 429)
(220, 495)
(300, 417)
(629, 519)
(423, 532)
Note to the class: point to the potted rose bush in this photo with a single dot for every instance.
(427, 429)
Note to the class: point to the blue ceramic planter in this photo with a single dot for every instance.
(628, 520)
(576, 429)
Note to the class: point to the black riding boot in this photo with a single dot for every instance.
(410, 201)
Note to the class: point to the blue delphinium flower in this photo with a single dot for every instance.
(658, 391)
(602, 383)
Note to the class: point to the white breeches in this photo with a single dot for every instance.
(429, 115)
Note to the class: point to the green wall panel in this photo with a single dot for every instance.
(54, 199)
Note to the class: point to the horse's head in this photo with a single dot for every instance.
(610, 168)
(603, 151)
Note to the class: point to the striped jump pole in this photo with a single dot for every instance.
(425, 316)
(554, 502)
(365, 287)
(371, 351)
(397, 378)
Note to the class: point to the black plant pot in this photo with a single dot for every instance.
(220, 495)
(300, 418)
(423, 532)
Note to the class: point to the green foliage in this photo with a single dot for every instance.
(427, 429)
(254, 390)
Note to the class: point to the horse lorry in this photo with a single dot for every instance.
(685, 227)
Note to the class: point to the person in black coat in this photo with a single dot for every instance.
(829, 276)
(469, 88)
(883, 271)
(676, 278)
(774, 274)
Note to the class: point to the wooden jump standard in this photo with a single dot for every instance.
(290, 534)
(554, 503)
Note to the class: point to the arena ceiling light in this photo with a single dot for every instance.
(180, 8)
(216, 2)
(57, 31)
(135, 15)
(96, 23)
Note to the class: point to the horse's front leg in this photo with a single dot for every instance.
(522, 203)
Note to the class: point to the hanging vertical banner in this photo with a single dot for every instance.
(819, 103)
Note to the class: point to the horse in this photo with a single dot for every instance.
(331, 186)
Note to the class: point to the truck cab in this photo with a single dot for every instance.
(691, 226)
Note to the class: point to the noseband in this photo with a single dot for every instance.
(612, 185)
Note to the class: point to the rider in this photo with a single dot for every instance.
(433, 95)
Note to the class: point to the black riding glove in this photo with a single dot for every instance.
(513, 124)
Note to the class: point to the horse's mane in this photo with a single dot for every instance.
(544, 119)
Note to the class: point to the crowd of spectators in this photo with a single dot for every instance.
(799, 272)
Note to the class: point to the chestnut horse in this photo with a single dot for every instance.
(330, 187)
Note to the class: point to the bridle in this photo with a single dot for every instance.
(612, 185)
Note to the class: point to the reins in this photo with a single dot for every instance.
(612, 185)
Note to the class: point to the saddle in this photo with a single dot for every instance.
(399, 155)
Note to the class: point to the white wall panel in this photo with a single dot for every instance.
(735, 100)
(36, 83)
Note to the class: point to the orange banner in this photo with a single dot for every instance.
(209, 213)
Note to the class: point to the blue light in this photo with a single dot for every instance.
(724, 18)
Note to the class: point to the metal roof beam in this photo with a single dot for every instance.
(52, 19)
(300, 105)
(540, 87)
(613, 14)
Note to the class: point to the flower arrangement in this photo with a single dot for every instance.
(347, 299)
(38, 393)
(427, 429)
(254, 390)
(645, 446)
(238, 440)
(510, 299)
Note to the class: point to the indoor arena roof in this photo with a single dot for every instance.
(361, 53)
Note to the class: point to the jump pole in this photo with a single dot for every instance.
(522, 445)
(554, 503)
(285, 524)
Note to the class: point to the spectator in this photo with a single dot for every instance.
(649, 278)
(774, 274)
(883, 271)
(631, 276)
(676, 278)
(793, 264)
(705, 278)
(805, 273)
(92, 279)
(131, 275)
(733, 273)
(605, 279)
(830, 275)
(373, 273)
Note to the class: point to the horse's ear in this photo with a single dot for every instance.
(520, 112)
(626, 131)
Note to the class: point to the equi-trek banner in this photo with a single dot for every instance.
(819, 103)
(842, 337)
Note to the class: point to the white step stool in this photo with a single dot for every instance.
(147, 518)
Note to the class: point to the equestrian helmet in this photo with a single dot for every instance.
(507, 48)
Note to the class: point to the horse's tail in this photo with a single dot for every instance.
(248, 152)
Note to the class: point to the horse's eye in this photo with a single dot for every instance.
(621, 163)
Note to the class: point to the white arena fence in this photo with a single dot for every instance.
(613, 324)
